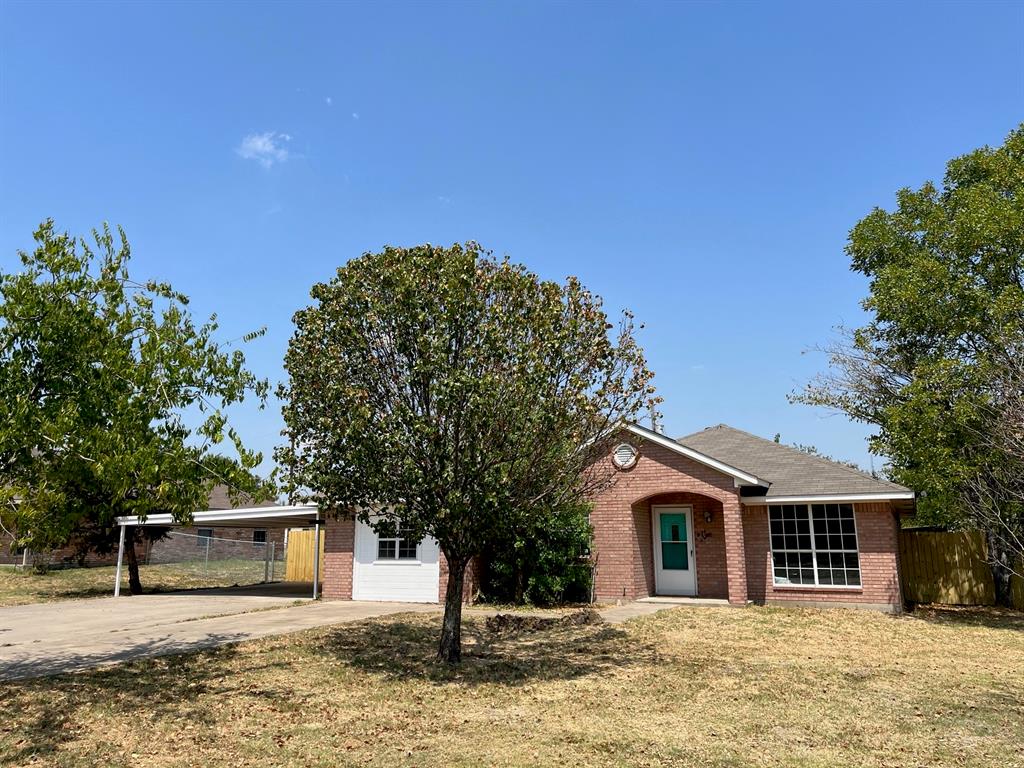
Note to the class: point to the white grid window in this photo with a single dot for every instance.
(395, 543)
(814, 545)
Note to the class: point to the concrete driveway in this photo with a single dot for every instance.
(72, 635)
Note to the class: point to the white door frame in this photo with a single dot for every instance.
(687, 510)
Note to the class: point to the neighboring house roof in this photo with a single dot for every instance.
(221, 499)
(791, 473)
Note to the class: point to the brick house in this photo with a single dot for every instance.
(717, 514)
(219, 499)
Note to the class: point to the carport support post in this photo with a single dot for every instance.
(120, 559)
(266, 561)
(316, 559)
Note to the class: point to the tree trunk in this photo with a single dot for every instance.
(450, 648)
(134, 582)
(1000, 561)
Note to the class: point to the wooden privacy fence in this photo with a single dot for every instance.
(298, 564)
(949, 567)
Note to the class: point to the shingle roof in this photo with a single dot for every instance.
(790, 471)
(220, 499)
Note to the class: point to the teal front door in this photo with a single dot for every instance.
(673, 551)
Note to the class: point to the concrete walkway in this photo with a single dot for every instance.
(72, 635)
(648, 605)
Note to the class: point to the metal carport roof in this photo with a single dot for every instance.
(291, 516)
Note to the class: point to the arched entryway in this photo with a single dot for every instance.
(681, 538)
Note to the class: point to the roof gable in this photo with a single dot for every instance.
(740, 476)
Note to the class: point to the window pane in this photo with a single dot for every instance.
(835, 543)
(791, 540)
(385, 549)
(674, 556)
(673, 527)
(407, 549)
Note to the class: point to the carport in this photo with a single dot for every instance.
(290, 516)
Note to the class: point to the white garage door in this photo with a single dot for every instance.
(394, 568)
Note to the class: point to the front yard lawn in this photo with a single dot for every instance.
(690, 686)
(19, 587)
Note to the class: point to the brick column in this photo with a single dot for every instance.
(339, 542)
(735, 556)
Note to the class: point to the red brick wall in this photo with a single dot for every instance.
(275, 535)
(164, 549)
(59, 558)
(877, 540)
(65, 557)
(189, 545)
(622, 526)
(339, 545)
(469, 581)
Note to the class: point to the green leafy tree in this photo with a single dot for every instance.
(456, 395)
(946, 292)
(113, 398)
(544, 565)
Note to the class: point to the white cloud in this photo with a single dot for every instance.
(328, 100)
(355, 115)
(444, 200)
(265, 148)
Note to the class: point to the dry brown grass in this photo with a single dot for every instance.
(19, 587)
(691, 686)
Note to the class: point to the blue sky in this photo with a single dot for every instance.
(700, 164)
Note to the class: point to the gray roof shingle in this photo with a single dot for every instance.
(219, 498)
(790, 471)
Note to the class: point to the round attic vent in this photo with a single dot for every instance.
(624, 455)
